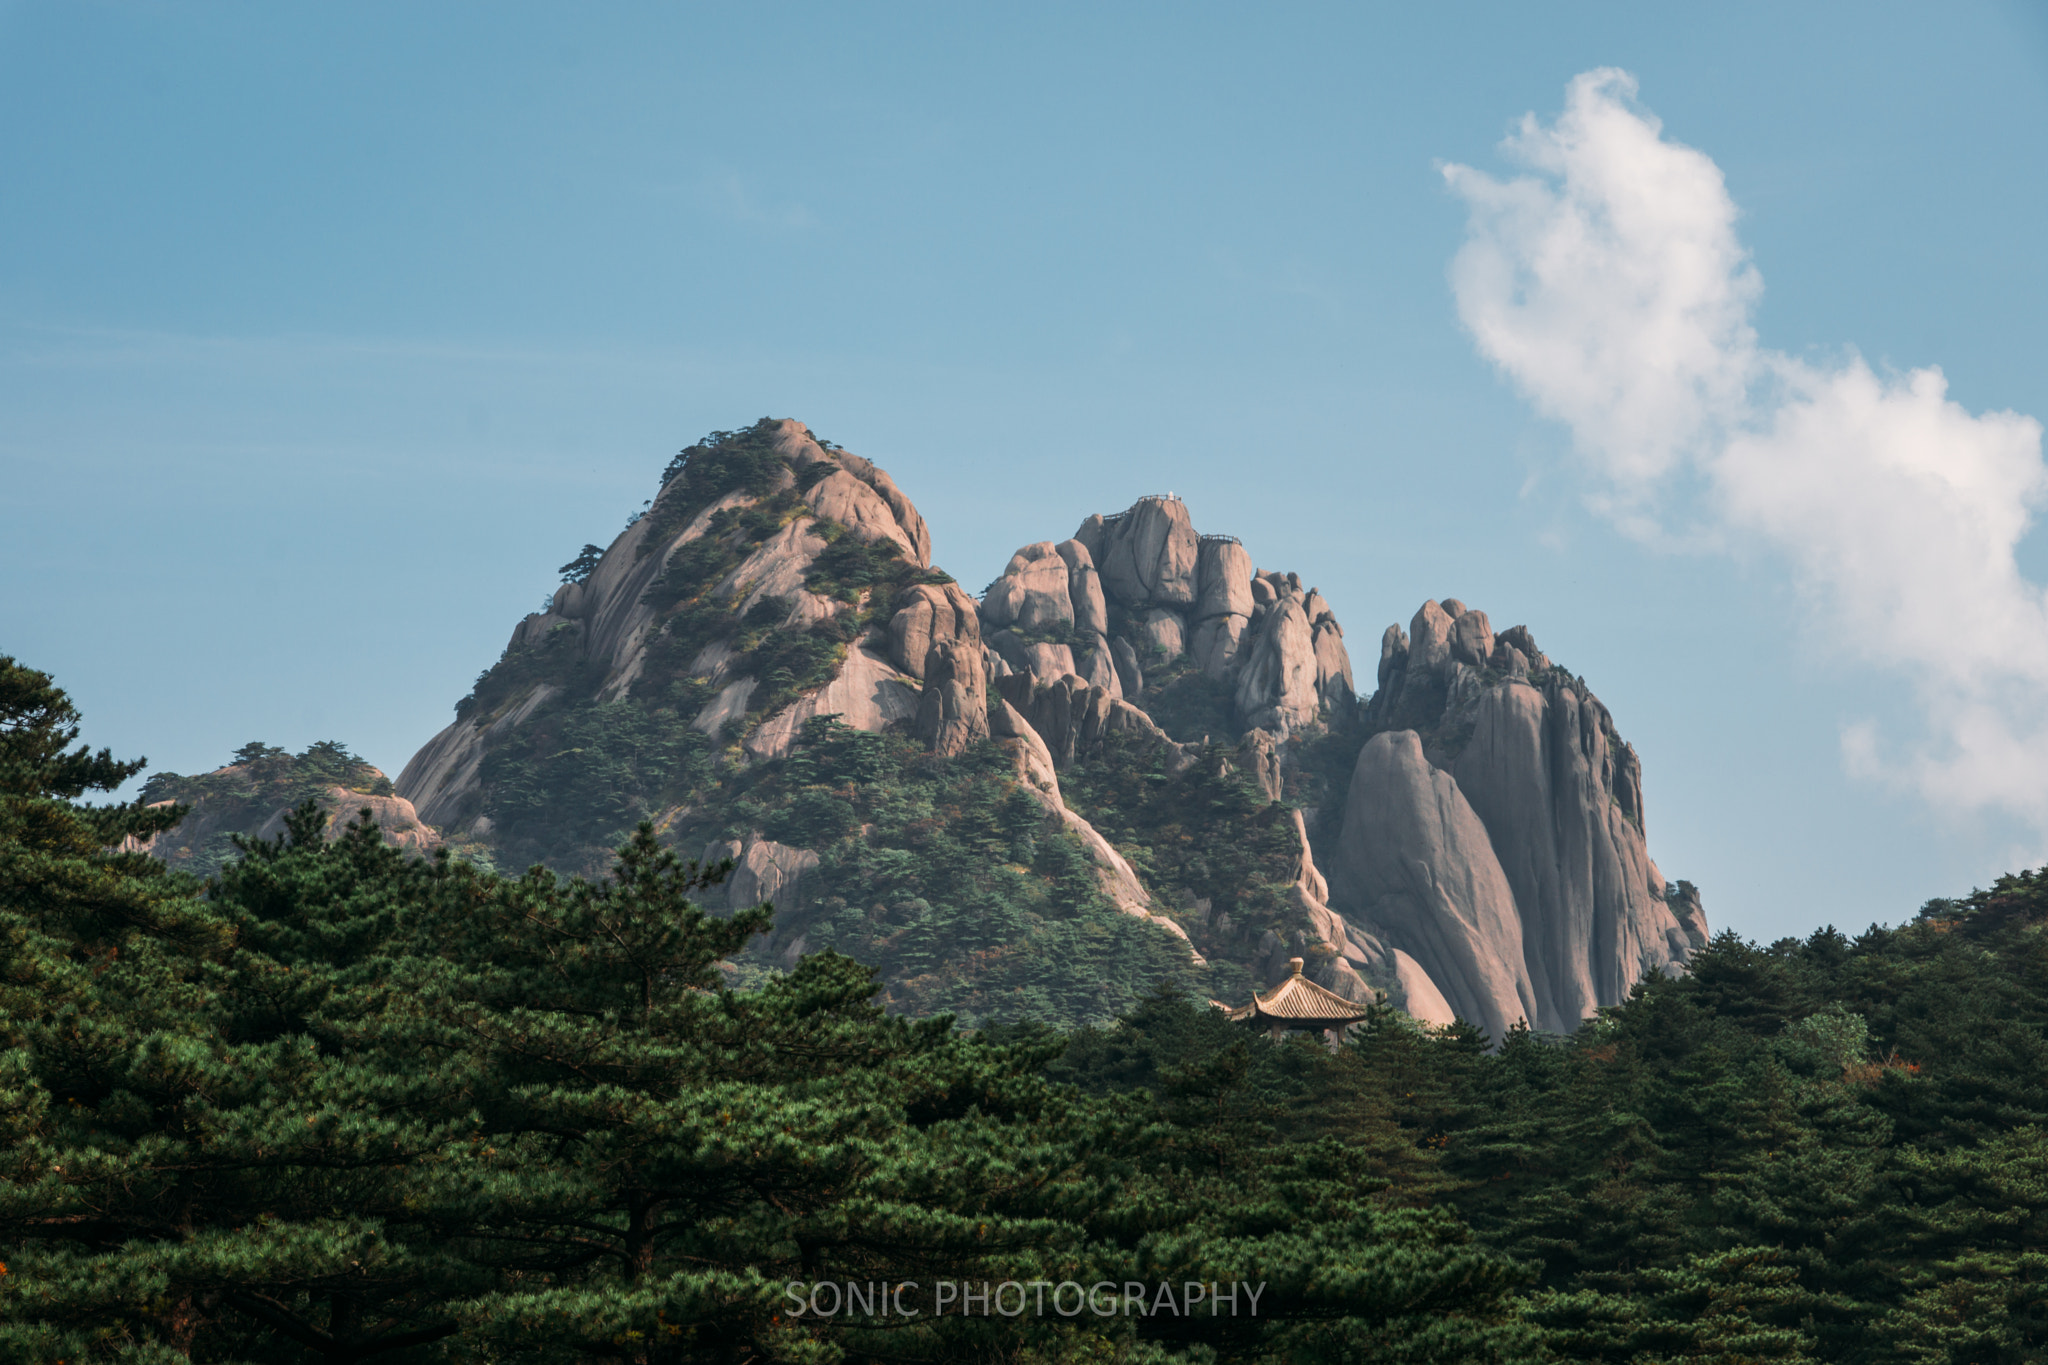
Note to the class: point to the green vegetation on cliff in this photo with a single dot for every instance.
(259, 781)
(947, 878)
(570, 781)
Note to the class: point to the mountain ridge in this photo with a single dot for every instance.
(1159, 749)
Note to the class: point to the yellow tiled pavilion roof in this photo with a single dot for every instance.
(1299, 1002)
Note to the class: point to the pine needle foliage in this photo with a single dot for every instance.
(345, 1104)
(341, 1103)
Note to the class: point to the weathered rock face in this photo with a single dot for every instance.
(394, 817)
(1034, 765)
(726, 709)
(610, 621)
(1084, 588)
(1148, 554)
(952, 712)
(1472, 639)
(1224, 571)
(1346, 958)
(1129, 676)
(763, 871)
(1564, 814)
(929, 615)
(778, 568)
(441, 779)
(1073, 719)
(1037, 659)
(845, 499)
(1224, 608)
(867, 693)
(1536, 764)
(1276, 686)
(1415, 864)
(1333, 664)
(246, 800)
(1095, 664)
(1217, 644)
(1177, 595)
(1032, 593)
(1258, 754)
(1492, 861)
(1162, 629)
(1027, 751)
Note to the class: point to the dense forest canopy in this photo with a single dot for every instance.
(339, 1102)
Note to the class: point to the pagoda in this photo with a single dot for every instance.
(1297, 1004)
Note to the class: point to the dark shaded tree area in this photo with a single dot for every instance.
(1828, 1149)
(342, 1104)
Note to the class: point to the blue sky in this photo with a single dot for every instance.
(326, 333)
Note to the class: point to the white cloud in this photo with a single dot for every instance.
(1610, 285)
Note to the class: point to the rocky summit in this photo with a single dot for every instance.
(1136, 758)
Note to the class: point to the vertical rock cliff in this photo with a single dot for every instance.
(1551, 841)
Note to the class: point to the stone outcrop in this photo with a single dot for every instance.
(1223, 605)
(867, 693)
(1027, 751)
(1038, 659)
(441, 779)
(1129, 676)
(1084, 589)
(1095, 664)
(1563, 806)
(1074, 719)
(394, 816)
(1036, 772)
(1414, 863)
(1287, 655)
(793, 441)
(1504, 781)
(845, 499)
(1276, 686)
(1224, 572)
(726, 709)
(1258, 754)
(763, 872)
(1683, 898)
(1174, 594)
(1160, 630)
(1147, 555)
(207, 819)
(777, 569)
(1032, 594)
(928, 615)
(952, 712)
(608, 621)
(1347, 959)
(1216, 644)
